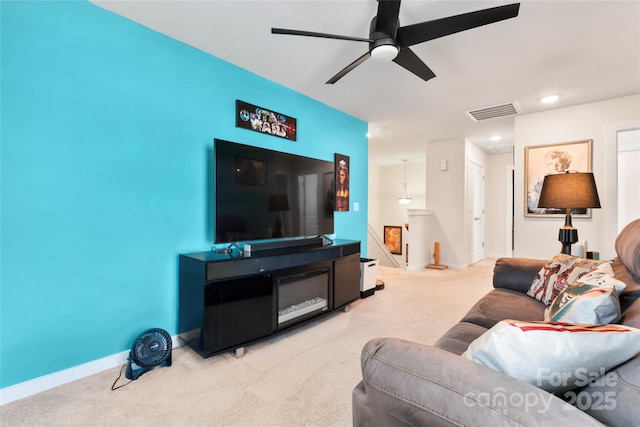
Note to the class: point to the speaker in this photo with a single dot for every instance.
(315, 242)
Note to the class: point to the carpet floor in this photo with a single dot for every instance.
(303, 377)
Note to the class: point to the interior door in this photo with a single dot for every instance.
(628, 177)
(475, 212)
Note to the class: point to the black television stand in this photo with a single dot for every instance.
(227, 301)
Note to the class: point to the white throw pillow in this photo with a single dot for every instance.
(554, 356)
(594, 298)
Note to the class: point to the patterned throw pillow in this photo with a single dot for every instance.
(559, 273)
(593, 298)
(555, 357)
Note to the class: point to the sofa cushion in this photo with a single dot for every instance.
(632, 282)
(557, 274)
(411, 384)
(593, 298)
(612, 399)
(516, 273)
(631, 316)
(556, 357)
(458, 338)
(500, 304)
(628, 247)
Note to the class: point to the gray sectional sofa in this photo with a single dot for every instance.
(411, 384)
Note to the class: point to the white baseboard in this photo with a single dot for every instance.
(46, 382)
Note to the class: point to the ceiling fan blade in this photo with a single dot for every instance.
(424, 31)
(321, 35)
(348, 68)
(387, 17)
(409, 60)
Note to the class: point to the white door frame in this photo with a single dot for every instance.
(610, 193)
(508, 210)
(475, 218)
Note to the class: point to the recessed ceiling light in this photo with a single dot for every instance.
(495, 138)
(549, 99)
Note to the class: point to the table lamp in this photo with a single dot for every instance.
(570, 190)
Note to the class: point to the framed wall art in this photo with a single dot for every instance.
(393, 239)
(258, 119)
(542, 160)
(341, 165)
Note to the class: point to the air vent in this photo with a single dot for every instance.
(494, 112)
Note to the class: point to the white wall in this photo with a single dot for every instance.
(445, 194)
(375, 195)
(537, 237)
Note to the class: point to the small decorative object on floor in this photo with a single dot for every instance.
(436, 255)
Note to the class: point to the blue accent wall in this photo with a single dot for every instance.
(106, 175)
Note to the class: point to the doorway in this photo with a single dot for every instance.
(628, 177)
(475, 212)
(622, 148)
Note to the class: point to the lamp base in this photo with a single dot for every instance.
(567, 236)
(277, 229)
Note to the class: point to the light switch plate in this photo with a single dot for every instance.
(443, 165)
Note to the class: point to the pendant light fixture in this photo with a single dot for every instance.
(404, 198)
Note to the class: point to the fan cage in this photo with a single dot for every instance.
(151, 348)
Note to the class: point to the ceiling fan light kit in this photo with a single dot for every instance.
(388, 41)
(384, 53)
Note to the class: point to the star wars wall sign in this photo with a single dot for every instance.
(249, 116)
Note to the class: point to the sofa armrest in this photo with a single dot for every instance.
(516, 273)
(407, 383)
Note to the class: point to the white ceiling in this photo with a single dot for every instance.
(583, 50)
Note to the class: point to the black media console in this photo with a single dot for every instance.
(229, 300)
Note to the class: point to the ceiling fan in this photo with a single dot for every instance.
(390, 42)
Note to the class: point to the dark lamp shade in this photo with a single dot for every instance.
(278, 202)
(569, 190)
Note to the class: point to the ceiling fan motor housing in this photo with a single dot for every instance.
(384, 48)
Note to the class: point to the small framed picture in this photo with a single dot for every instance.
(250, 171)
(393, 239)
(341, 165)
(542, 160)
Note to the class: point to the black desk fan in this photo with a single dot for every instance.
(150, 349)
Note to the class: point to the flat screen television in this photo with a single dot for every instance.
(265, 194)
